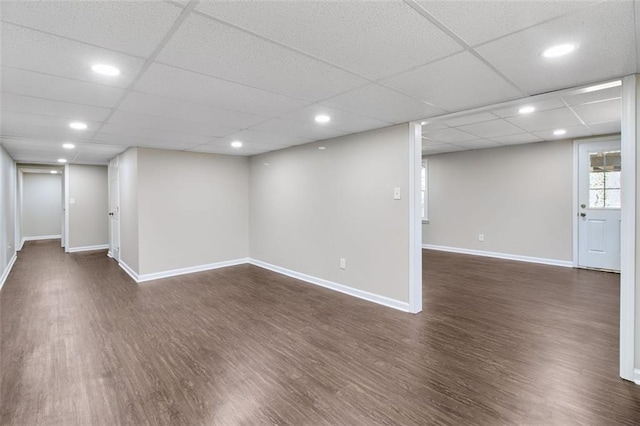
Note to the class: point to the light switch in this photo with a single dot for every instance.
(72, 200)
(396, 193)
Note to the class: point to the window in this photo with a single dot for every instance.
(604, 180)
(424, 182)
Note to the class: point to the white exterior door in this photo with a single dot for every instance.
(114, 210)
(599, 169)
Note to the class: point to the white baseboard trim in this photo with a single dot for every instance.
(636, 373)
(41, 237)
(88, 248)
(530, 259)
(371, 297)
(365, 295)
(182, 271)
(7, 270)
(129, 270)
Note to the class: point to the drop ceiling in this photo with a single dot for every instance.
(197, 75)
(574, 113)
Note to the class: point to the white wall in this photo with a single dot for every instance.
(7, 211)
(128, 183)
(311, 207)
(41, 205)
(88, 217)
(519, 197)
(193, 209)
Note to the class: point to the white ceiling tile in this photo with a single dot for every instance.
(469, 83)
(35, 51)
(193, 87)
(479, 144)
(38, 85)
(597, 112)
(442, 149)
(285, 127)
(482, 21)
(517, 139)
(545, 120)
(264, 138)
(135, 27)
(471, 118)
(605, 128)
(212, 48)
(545, 105)
(373, 39)
(176, 109)
(39, 106)
(42, 126)
(491, 129)
(137, 120)
(605, 34)
(432, 125)
(340, 120)
(572, 132)
(598, 95)
(132, 136)
(431, 143)
(448, 136)
(383, 104)
(246, 150)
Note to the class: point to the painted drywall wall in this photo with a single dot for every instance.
(88, 216)
(311, 207)
(41, 205)
(193, 209)
(128, 183)
(7, 212)
(519, 197)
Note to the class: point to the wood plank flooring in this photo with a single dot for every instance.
(498, 343)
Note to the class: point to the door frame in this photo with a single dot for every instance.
(576, 187)
(110, 174)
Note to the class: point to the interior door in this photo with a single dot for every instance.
(114, 210)
(599, 170)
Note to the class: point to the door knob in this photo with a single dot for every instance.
(583, 214)
(111, 214)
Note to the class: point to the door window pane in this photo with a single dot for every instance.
(604, 180)
(596, 198)
(596, 180)
(612, 199)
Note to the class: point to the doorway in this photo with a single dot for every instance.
(599, 207)
(40, 203)
(114, 210)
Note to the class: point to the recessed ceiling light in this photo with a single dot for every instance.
(236, 144)
(54, 172)
(78, 125)
(68, 146)
(322, 119)
(266, 164)
(105, 69)
(423, 122)
(559, 132)
(559, 50)
(62, 160)
(602, 86)
(322, 148)
(526, 110)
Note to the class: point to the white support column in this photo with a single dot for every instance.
(415, 218)
(630, 233)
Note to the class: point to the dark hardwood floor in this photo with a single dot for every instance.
(498, 343)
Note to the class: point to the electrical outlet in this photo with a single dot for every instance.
(343, 263)
(480, 237)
